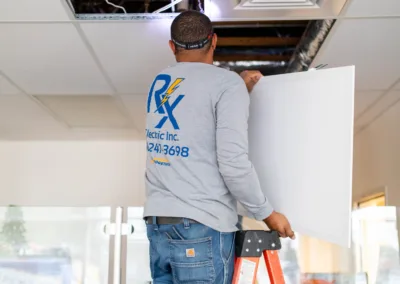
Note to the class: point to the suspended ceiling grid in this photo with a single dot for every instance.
(46, 52)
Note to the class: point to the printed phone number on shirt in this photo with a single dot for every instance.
(168, 150)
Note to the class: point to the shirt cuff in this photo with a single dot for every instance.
(264, 212)
(259, 213)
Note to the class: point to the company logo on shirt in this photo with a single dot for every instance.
(160, 161)
(164, 99)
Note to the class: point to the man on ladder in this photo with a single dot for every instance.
(197, 162)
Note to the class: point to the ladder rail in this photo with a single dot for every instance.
(249, 247)
(274, 268)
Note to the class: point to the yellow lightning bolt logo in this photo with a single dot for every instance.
(169, 92)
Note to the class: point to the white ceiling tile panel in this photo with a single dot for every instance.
(22, 119)
(6, 88)
(369, 8)
(136, 105)
(32, 10)
(87, 111)
(363, 100)
(49, 59)
(378, 108)
(132, 53)
(369, 44)
(21, 116)
(397, 86)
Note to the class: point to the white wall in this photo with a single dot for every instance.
(377, 157)
(72, 173)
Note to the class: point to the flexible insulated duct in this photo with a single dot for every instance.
(309, 45)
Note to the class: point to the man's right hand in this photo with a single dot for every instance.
(250, 78)
(278, 222)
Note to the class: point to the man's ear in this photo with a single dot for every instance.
(214, 41)
(172, 46)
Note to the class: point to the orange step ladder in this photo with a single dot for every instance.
(249, 246)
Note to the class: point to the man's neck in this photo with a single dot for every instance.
(199, 59)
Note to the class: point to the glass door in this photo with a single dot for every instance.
(51, 245)
(137, 268)
(376, 230)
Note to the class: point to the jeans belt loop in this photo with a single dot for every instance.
(186, 223)
(155, 226)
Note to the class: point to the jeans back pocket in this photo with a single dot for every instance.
(192, 261)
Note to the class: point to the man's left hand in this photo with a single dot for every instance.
(251, 77)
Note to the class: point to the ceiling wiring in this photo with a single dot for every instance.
(166, 7)
(200, 6)
(116, 6)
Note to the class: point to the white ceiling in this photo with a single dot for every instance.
(368, 44)
(373, 8)
(33, 10)
(45, 51)
(49, 59)
(365, 35)
(6, 88)
(363, 100)
(128, 52)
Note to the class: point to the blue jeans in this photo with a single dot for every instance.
(190, 253)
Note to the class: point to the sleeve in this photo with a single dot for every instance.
(232, 113)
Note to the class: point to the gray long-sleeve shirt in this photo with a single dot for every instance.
(197, 148)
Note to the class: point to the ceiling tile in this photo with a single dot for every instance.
(49, 59)
(21, 118)
(363, 100)
(6, 88)
(32, 10)
(382, 105)
(397, 86)
(368, 8)
(136, 105)
(132, 53)
(370, 45)
(87, 111)
(20, 115)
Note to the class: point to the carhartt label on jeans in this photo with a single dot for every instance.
(190, 253)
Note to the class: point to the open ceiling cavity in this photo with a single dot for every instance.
(265, 46)
(273, 47)
(82, 8)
